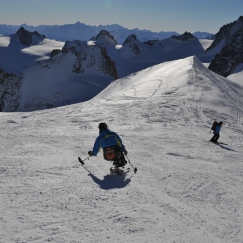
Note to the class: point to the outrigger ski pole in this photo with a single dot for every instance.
(134, 169)
(82, 161)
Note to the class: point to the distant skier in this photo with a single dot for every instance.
(111, 143)
(216, 129)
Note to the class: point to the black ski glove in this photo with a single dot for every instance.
(125, 152)
(90, 153)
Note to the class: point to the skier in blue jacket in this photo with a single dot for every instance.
(216, 132)
(112, 146)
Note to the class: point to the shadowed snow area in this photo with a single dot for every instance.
(16, 57)
(186, 188)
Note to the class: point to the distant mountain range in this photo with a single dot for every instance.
(83, 32)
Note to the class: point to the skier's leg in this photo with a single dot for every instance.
(123, 161)
(213, 138)
(216, 138)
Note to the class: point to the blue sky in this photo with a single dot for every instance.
(155, 15)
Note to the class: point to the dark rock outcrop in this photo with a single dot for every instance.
(9, 91)
(55, 52)
(153, 42)
(184, 37)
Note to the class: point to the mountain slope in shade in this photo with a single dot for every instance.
(231, 55)
(186, 189)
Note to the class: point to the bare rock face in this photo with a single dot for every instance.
(231, 55)
(9, 91)
(55, 52)
(27, 38)
(184, 37)
(133, 43)
(153, 42)
(107, 65)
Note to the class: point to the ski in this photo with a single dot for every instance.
(113, 171)
(220, 143)
(118, 172)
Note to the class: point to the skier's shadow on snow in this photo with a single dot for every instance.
(224, 147)
(110, 182)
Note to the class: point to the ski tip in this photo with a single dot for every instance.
(81, 161)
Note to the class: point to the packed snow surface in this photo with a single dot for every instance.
(187, 189)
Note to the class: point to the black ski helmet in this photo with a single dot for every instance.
(102, 126)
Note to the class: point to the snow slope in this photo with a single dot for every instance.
(186, 188)
(237, 76)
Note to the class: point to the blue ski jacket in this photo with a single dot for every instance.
(217, 129)
(106, 139)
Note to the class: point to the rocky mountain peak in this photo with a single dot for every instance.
(129, 39)
(133, 44)
(27, 38)
(184, 37)
(105, 37)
